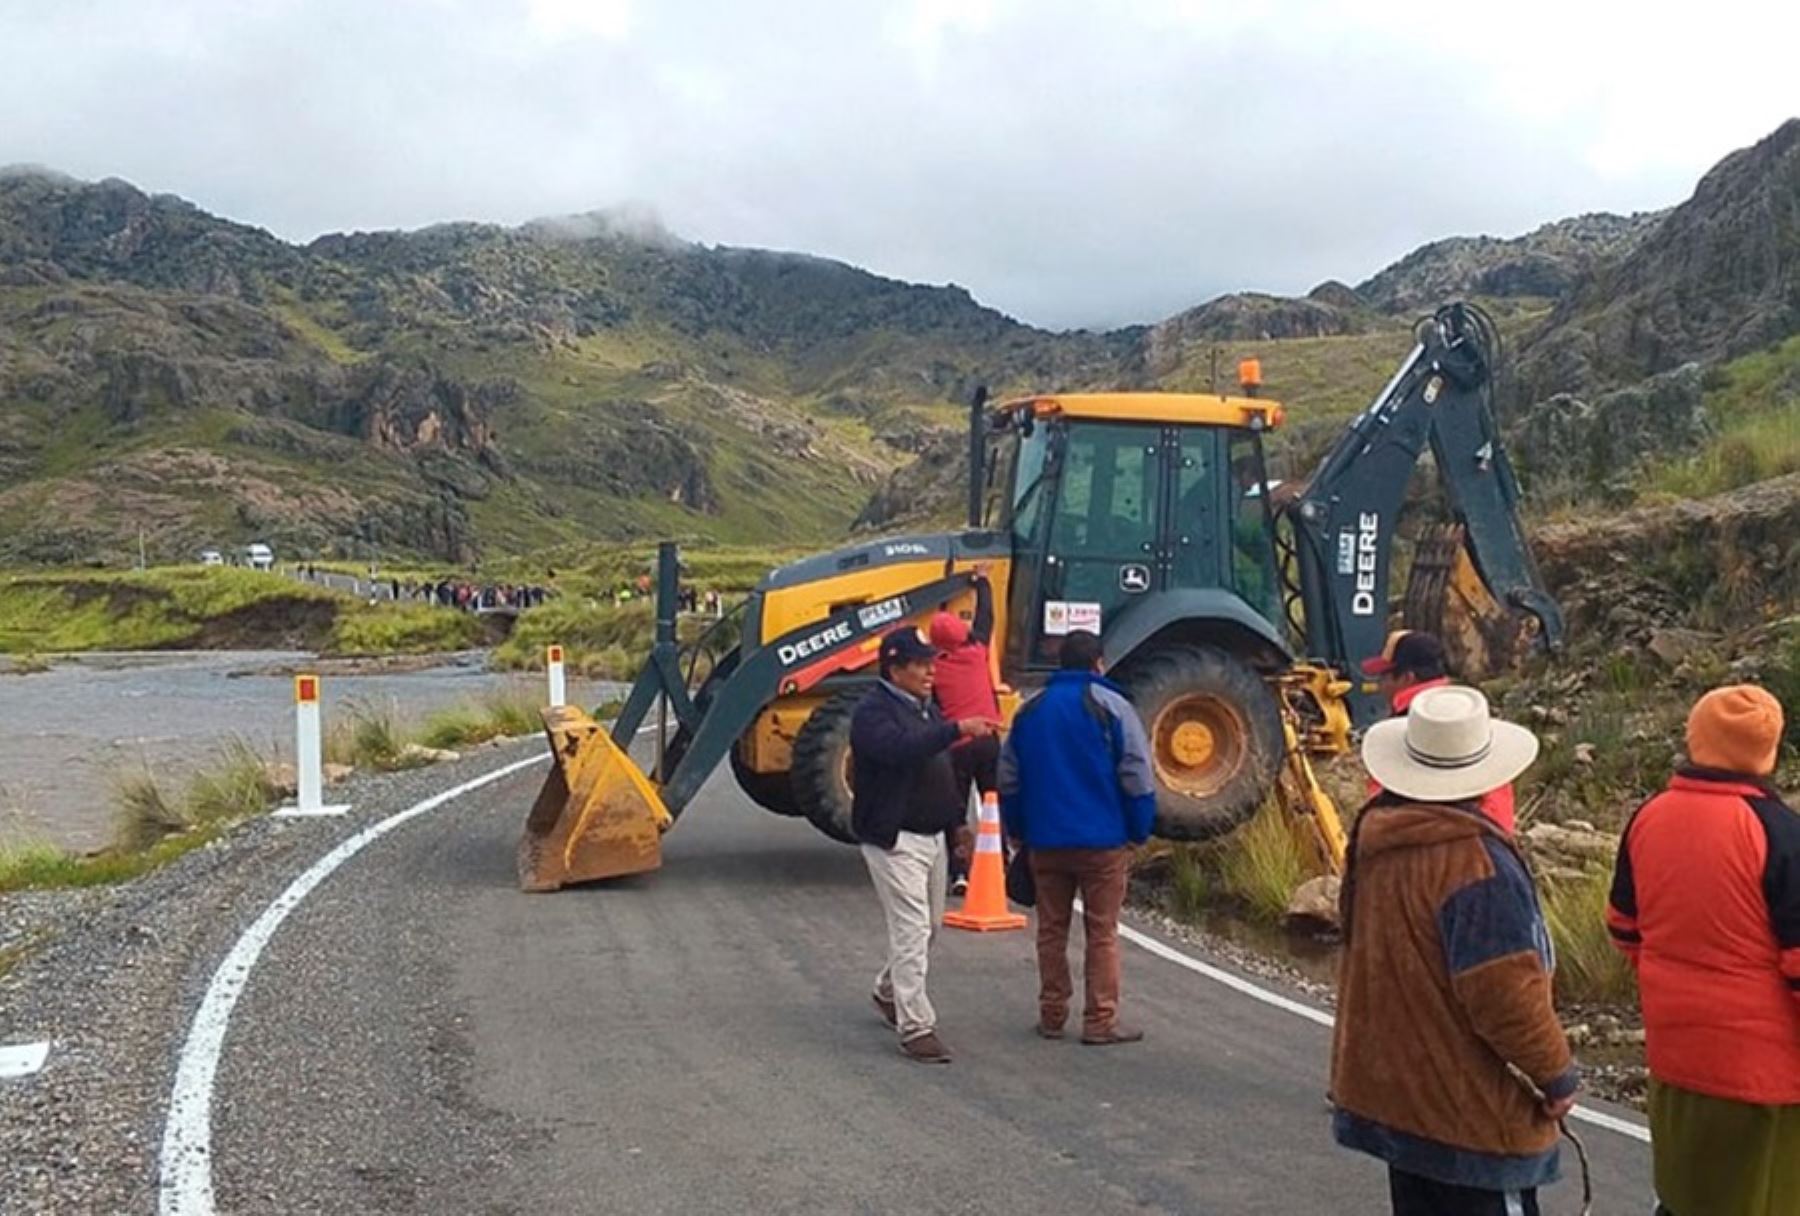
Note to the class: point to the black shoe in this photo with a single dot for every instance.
(890, 1013)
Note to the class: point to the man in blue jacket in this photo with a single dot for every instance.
(905, 800)
(1077, 788)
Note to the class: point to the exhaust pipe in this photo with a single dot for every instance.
(977, 453)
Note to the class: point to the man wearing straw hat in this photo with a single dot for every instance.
(1448, 1063)
(1706, 904)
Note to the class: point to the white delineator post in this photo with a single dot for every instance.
(309, 756)
(553, 663)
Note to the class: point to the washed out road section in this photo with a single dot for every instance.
(73, 730)
(421, 1037)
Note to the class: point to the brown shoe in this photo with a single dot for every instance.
(1114, 1035)
(890, 1012)
(926, 1049)
(1049, 1032)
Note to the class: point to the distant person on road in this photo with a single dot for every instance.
(1411, 662)
(964, 688)
(1077, 788)
(905, 799)
(1706, 905)
(1444, 982)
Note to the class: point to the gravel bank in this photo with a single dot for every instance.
(112, 977)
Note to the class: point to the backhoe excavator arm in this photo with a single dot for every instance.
(1344, 521)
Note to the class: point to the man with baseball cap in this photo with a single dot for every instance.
(1448, 1061)
(1410, 663)
(1706, 905)
(905, 798)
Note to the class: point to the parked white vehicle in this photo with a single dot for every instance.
(259, 556)
(211, 557)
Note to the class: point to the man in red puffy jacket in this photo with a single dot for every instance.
(965, 689)
(1706, 905)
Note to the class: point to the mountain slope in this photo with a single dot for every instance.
(460, 389)
(1719, 277)
(1545, 263)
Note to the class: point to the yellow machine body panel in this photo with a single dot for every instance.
(768, 746)
(597, 815)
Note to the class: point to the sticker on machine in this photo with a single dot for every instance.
(1066, 616)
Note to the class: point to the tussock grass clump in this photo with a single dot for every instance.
(1262, 863)
(501, 713)
(367, 734)
(1588, 967)
(235, 786)
(145, 812)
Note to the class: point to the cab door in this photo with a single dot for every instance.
(1102, 540)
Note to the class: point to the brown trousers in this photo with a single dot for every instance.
(1099, 876)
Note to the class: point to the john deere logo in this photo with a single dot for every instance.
(1134, 579)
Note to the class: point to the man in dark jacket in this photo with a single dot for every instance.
(1076, 787)
(1448, 1061)
(1706, 905)
(905, 800)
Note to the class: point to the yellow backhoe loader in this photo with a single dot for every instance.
(1235, 624)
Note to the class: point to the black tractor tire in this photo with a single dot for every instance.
(771, 791)
(1215, 738)
(821, 772)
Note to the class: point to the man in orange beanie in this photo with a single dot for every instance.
(1706, 905)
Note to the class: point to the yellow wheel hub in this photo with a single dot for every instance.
(1191, 744)
(1198, 742)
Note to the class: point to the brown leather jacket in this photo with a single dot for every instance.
(1445, 979)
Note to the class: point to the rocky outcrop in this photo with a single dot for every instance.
(1717, 278)
(1547, 262)
(1571, 447)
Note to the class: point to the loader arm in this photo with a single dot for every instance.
(792, 663)
(1344, 521)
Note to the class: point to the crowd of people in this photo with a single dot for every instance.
(1449, 1062)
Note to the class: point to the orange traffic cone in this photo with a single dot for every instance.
(984, 907)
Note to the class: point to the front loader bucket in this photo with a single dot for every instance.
(597, 815)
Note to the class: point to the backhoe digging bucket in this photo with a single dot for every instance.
(597, 816)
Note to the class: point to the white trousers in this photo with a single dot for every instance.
(909, 880)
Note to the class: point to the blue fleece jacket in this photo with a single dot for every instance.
(1075, 771)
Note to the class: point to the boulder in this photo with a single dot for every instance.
(418, 753)
(1315, 902)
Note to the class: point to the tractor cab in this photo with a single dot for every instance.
(1110, 499)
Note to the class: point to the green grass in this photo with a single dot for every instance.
(39, 867)
(406, 628)
(368, 734)
(234, 787)
(1588, 968)
(502, 714)
(1261, 865)
(220, 606)
(1755, 403)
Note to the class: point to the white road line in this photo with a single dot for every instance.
(22, 1059)
(1162, 950)
(186, 1186)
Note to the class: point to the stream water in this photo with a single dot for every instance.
(68, 734)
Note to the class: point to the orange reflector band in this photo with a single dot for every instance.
(306, 689)
(556, 654)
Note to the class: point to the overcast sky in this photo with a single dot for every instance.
(1074, 163)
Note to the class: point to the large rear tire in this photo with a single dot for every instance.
(771, 791)
(821, 772)
(1215, 738)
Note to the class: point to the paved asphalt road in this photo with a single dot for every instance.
(421, 1037)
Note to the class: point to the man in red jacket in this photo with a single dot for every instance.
(965, 689)
(1411, 662)
(1706, 905)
